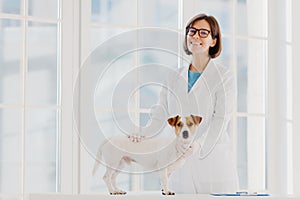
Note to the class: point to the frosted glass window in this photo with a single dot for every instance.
(10, 149)
(45, 9)
(151, 181)
(242, 158)
(220, 9)
(119, 12)
(10, 58)
(100, 35)
(251, 152)
(43, 78)
(251, 79)
(159, 13)
(41, 147)
(160, 57)
(10, 6)
(114, 75)
(251, 17)
(149, 95)
(155, 65)
(226, 56)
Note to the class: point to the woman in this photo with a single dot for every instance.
(206, 89)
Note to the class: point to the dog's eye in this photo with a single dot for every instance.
(190, 124)
(179, 124)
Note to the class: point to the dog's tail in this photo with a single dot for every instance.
(98, 158)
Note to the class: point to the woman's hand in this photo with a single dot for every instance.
(136, 138)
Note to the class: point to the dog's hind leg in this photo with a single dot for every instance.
(114, 177)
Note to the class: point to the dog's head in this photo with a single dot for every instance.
(185, 127)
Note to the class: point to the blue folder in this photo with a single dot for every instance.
(240, 194)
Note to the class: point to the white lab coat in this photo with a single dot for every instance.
(213, 169)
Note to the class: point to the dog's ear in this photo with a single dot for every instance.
(173, 120)
(197, 119)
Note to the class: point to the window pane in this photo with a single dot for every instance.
(43, 75)
(251, 63)
(251, 152)
(220, 9)
(226, 56)
(47, 9)
(159, 13)
(252, 18)
(116, 74)
(122, 12)
(41, 149)
(155, 66)
(10, 6)
(157, 62)
(10, 148)
(160, 57)
(151, 181)
(101, 35)
(242, 159)
(10, 58)
(149, 95)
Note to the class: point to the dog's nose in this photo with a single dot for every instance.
(185, 134)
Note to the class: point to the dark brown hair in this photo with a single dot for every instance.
(215, 34)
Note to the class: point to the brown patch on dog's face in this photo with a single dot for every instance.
(190, 124)
(176, 123)
(197, 119)
(173, 120)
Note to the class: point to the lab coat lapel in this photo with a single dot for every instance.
(207, 77)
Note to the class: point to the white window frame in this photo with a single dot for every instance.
(296, 96)
(69, 160)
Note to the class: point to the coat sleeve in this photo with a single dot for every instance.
(225, 101)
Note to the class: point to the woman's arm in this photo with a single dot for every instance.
(225, 98)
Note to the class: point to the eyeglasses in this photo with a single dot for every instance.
(203, 33)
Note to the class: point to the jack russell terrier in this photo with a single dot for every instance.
(152, 154)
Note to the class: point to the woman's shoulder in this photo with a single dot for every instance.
(223, 69)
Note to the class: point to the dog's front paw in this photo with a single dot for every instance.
(118, 192)
(167, 192)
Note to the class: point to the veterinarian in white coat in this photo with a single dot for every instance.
(206, 89)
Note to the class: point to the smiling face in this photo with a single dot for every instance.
(197, 44)
(185, 127)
